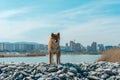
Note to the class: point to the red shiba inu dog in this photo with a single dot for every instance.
(54, 47)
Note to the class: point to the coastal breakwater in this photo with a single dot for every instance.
(64, 71)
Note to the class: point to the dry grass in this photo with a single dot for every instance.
(111, 55)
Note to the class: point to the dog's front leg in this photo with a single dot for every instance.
(58, 58)
(50, 58)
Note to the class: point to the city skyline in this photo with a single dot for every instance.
(84, 21)
(84, 44)
(72, 46)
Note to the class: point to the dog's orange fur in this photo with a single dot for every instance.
(54, 47)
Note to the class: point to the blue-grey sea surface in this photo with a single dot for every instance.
(64, 59)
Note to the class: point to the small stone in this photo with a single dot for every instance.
(99, 70)
(118, 70)
(0, 71)
(42, 69)
(43, 64)
(38, 75)
(5, 75)
(16, 74)
(60, 67)
(53, 74)
(59, 72)
(27, 78)
(62, 76)
(5, 68)
(92, 73)
(65, 69)
(79, 75)
(46, 73)
(50, 78)
(24, 73)
(20, 68)
(104, 76)
(12, 67)
(67, 76)
(72, 69)
(112, 78)
(117, 77)
(52, 69)
(33, 72)
(2, 66)
(1, 78)
(40, 79)
(45, 76)
(56, 78)
(75, 78)
(70, 73)
(32, 76)
(20, 76)
(93, 78)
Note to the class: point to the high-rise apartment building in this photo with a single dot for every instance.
(94, 47)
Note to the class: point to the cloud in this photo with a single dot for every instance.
(12, 12)
(102, 30)
(12, 30)
(89, 9)
(91, 22)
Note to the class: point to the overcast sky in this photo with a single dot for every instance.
(84, 21)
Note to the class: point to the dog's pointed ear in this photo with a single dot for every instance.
(52, 34)
(58, 34)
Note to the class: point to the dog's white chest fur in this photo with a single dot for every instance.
(55, 47)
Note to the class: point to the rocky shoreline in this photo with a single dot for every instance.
(65, 71)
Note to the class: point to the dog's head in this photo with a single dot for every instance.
(55, 37)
